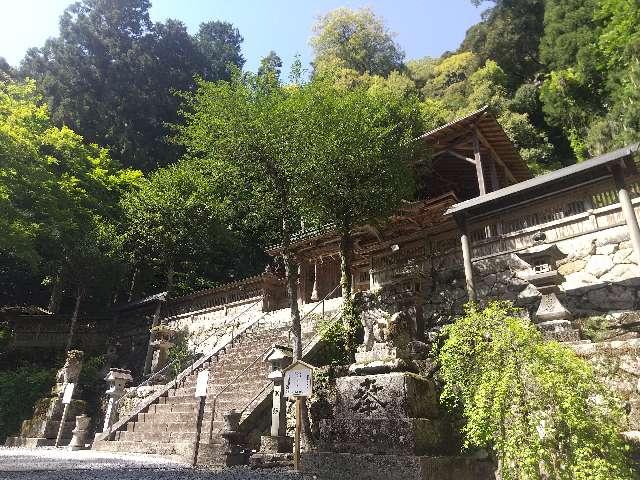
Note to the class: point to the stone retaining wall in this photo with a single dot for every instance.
(601, 278)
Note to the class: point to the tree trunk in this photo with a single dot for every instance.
(132, 285)
(348, 314)
(291, 271)
(170, 279)
(56, 293)
(74, 317)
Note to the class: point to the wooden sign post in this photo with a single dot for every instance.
(202, 381)
(66, 400)
(298, 383)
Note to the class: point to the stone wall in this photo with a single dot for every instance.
(601, 278)
(618, 364)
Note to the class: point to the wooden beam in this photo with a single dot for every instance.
(461, 157)
(495, 155)
(478, 161)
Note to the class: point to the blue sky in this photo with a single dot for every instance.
(423, 27)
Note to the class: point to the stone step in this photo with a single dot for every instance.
(165, 437)
(159, 427)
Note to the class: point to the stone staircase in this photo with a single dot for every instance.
(166, 424)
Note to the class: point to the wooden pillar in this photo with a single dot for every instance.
(466, 257)
(478, 159)
(627, 209)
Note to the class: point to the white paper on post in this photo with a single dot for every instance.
(68, 393)
(298, 381)
(201, 383)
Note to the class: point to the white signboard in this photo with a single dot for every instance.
(298, 380)
(68, 393)
(201, 383)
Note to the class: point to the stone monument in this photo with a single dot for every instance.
(42, 429)
(552, 318)
(162, 341)
(384, 421)
(235, 441)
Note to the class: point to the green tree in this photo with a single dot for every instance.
(358, 147)
(535, 404)
(509, 34)
(57, 192)
(355, 39)
(176, 234)
(271, 65)
(111, 73)
(247, 132)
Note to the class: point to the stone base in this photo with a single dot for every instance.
(271, 460)
(338, 466)
(73, 448)
(271, 444)
(562, 335)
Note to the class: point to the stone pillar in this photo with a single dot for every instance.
(627, 209)
(466, 257)
(314, 290)
(117, 380)
(279, 357)
(80, 433)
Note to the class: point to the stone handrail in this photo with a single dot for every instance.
(139, 408)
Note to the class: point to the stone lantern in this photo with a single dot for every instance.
(79, 439)
(551, 316)
(117, 380)
(276, 448)
(162, 341)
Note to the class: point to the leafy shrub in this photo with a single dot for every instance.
(19, 391)
(535, 404)
(334, 334)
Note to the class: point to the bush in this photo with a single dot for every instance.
(536, 405)
(19, 391)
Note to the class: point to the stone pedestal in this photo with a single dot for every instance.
(389, 426)
(80, 433)
(395, 413)
(235, 451)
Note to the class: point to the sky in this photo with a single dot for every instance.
(423, 27)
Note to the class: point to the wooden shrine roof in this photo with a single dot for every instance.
(589, 170)
(452, 143)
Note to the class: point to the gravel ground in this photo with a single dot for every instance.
(57, 464)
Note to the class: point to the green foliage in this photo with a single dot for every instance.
(335, 333)
(111, 73)
(357, 40)
(180, 355)
(19, 391)
(594, 328)
(58, 195)
(536, 404)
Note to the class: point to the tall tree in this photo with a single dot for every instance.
(358, 148)
(111, 73)
(271, 65)
(355, 39)
(509, 34)
(247, 131)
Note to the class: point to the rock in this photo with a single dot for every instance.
(623, 255)
(622, 271)
(572, 267)
(529, 292)
(598, 265)
(606, 249)
(616, 236)
(578, 280)
(615, 297)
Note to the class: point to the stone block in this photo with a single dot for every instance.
(339, 466)
(622, 272)
(572, 267)
(271, 444)
(395, 395)
(598, 265)
(624, 255)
